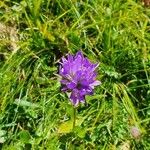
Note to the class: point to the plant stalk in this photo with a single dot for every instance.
(74, 118)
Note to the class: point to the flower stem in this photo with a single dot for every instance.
(74, 118)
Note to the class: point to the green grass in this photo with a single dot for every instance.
(34, 113)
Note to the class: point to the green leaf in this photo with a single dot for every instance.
(65, 127)
(2, 133)
(2, 136)
(41, 80)
(2, 139)
(25, 136)
(22, 102)
(80, 131)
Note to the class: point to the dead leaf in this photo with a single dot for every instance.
(125, 146)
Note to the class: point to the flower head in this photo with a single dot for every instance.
(78, 77)
(135, 132)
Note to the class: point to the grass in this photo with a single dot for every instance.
(34, 35)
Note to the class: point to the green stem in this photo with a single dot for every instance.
(74, 117)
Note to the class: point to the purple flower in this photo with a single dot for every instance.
(78, 77)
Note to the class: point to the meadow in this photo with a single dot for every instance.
(35, 114)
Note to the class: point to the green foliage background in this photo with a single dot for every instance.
(34, 35)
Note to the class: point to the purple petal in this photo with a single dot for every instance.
(83, 92)
(94, 66)
(84, 83)
(86, 62)
(88, 91)
(64, 81)
(81, 98)
(71, 85)
(79, 54)
(70, 58)
(78, 75)
(64, 59)
(74, 97)
(64, 89)
(95, 83)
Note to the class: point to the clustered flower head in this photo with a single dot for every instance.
(135, 132)
(78, 77)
